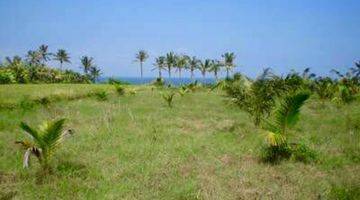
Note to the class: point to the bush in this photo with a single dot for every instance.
(119, 89)
(274, 154)
(302, 153)
(169, 99)
(26, 103)
(6, 77)
(159, 82)
(117, 82)
(101, 95)
(45, 101)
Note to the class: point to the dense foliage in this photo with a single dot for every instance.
(34, 68)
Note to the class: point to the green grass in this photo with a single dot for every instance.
(135, 147)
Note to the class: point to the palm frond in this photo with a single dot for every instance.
(288, 112)
(32, 132)
(53, 134)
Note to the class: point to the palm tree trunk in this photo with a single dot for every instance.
(180, 73)
(61, 63)
(216, 76)
(227, 73)
(169, 71)
(141, 69)
(159, 73)
(192, 74)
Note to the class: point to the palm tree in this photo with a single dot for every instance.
(356, 70)
(44, 54)
(170, 62)
(160, 64)
(229, 62)
(215, 67)
(181, 63)
(33, 57)
(193, 65)
(62, 56)
(95, 72)
(15, 61)
(87, 63)
(141, 57)
(45, 141)
(204, 67)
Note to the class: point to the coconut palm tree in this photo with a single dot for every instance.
(141, 57)
(229, 62)
(87, 63)
(44, 54)
(215, 67)
(15, 61)
(45, 140)
(181, 63)
(94, 73)
(62, 56)
(170, 62)
(204, 67)
(193, 65)
(160, 64)
(356, 70)
(33, 58)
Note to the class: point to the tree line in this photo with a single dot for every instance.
(181, 62)
(34, 68)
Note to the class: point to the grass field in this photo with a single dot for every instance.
(135, 147)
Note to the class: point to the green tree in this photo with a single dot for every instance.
(33, 58)
(204, 67)
(193, 65)
(215, 67)
(44, 54)
(229, 59)
(87, 63)
(94, 73)
(170, 62)
(160, 64)
(62, 56)
(181, 63)
(141, 57)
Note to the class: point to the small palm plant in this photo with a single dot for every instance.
(132, 92)
(286, 116)
(45, 140)
(183, 90)
(169, 98)
(101, 95)
(119, 89)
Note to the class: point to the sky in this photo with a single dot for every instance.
(281, 34)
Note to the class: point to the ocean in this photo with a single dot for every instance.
(147, 80)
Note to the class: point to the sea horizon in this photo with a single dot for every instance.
(146, 80)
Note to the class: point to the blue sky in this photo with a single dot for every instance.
(282, 34)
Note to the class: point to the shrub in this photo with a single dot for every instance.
(45, 101)
(6, 77)
(117, 82)
(169, 98)
(119, 89)
(26, 103)
(275, 149)
(101, 95)
(274, 154)
(159, 82)
(183, 90)
(302, 153)
(132, 91)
